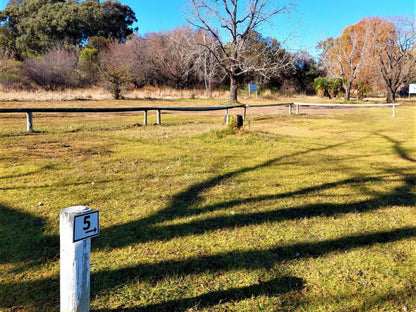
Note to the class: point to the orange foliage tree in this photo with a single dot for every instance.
(394, 52)
(345, 57)
(374, 52)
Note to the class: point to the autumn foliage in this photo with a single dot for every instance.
(374, 53)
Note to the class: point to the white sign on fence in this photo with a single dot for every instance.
(86, 225)
(412, 88)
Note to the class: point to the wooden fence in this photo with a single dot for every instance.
(29, 111)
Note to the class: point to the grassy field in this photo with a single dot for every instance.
(309, 212)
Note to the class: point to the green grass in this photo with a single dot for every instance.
(294, 213)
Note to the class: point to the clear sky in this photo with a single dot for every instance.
(308, 23)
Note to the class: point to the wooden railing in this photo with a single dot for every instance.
(29, 111)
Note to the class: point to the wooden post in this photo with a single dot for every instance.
(239, 121)
(29, 121)
(75, 264)
(145, 117)
(290, 109)
(245, 112)
(297, 109)
(227, 117)
(394, 111)
(159, 119)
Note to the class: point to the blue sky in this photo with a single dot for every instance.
(308, 23)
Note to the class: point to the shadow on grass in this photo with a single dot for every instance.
(22, 238)
(270, 288)
(18, 249)
(46, 291)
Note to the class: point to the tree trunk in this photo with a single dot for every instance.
(233, 89)
(391, 96)
(347, 89)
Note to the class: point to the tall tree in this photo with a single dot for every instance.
(32, 27)
(231, 23)
(345, 57)
(393, 52)
(206, 65)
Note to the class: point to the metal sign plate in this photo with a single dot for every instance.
(412, 88)
(86, 225)
(252, 87)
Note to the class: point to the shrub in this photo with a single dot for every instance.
(56, 69)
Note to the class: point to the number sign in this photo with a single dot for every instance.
(86, 225)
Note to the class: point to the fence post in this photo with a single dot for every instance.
(227, 117)
(75, 264)
(159, 117)
(29, 121)
(145, 117)
(245, 112)
(394, 111)
(290, 109)
(297, 109)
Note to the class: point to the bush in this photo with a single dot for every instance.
(56, 69)
(328, 87)
(10, 72)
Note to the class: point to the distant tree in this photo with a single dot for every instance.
(206, 64)
(298, 78)
(109, 19)
(32, 27)
(345, 57)
(237, 19)
(10, 71)
(117, 66)
(394, 52)
(89, 65)
(173, 57)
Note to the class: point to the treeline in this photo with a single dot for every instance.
(54, 45)
(58, 44)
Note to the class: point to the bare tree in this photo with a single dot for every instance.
(57, 68)
(230, 23)
(207, 66)
(172, 56)
(117, 66)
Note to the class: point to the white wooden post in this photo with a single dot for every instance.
(227, 117)
(394, 111)
(297, 109)
(29, 121)
(75, 264)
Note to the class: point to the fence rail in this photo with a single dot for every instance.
(29, 111)
(393, 105)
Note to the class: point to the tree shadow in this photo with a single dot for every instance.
(23, 292)
(274, 287)
(180, 206)
(22, 238)
(397, 147)
(147, 229)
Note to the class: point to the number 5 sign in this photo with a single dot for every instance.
(86, 225)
